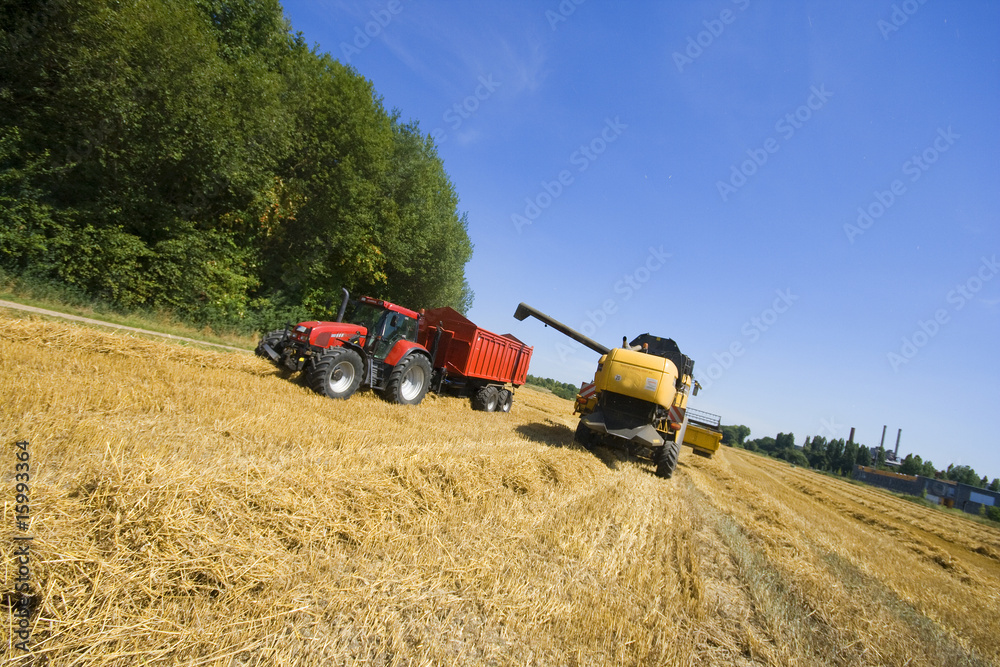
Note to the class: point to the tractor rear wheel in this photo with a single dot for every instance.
(666, 459)
(271, 338)
(336, 372)
(409, 380)
(505, 398)
(485, 399)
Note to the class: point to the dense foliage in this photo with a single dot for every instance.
(196, 156)
(560, 389)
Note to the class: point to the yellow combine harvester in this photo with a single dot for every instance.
(639, 399)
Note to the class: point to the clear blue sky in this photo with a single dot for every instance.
(803, 195)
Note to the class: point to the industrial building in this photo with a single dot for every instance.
(943, 492)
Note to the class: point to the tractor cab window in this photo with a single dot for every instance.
(396, 327)
(365, 314)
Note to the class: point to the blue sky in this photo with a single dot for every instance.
(803, 195)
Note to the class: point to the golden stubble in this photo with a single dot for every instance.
(195, 507)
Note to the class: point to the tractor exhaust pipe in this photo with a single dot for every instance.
(343, 304)
(523, 310)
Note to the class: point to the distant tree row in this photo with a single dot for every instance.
(560, 389)
(195, 155)
(840, 456)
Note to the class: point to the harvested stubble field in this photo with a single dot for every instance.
(197, 508)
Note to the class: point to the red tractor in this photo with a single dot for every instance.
(401, 354)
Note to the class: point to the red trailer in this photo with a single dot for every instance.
(472, 360)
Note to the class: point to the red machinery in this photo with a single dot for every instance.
(472, 360)
(402, 354)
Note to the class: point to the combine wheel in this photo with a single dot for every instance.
(409, 380)
(485, 399)
(666, 459)
(272, 338)
(505, 398)
(585, 437)
(336, 372)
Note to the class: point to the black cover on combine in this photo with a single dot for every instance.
(666, 348)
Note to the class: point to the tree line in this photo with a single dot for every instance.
(839, 456)
(560, 389)
(197, 156)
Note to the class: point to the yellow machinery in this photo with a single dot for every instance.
(639, 398)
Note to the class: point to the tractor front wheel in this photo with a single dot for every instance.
(272, 340)
(409, 380)
(336, 372)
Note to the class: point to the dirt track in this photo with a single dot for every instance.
(102, 323)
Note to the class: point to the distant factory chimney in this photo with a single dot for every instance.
(882, 444)
(851, 439)
(898, 436)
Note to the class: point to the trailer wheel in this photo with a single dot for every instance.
(409, 380)
(271, 338)
(485, 399)
(505, 398)
(666, 460)
(336, 372)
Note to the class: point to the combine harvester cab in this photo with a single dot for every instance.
(638, 399)
(401, 354)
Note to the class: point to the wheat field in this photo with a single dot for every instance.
(200, 508)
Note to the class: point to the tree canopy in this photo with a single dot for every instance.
(196, 155)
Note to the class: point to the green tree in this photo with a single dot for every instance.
(561, 389)
(794, 456)
(784, 441)
(962, 474)
(995, 484)
(734, 436)
(911, 465)
(848, 458)
(834, 454)
(864, 456)
(194, 155)
(817, 453)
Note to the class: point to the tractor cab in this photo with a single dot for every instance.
(385, 324)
